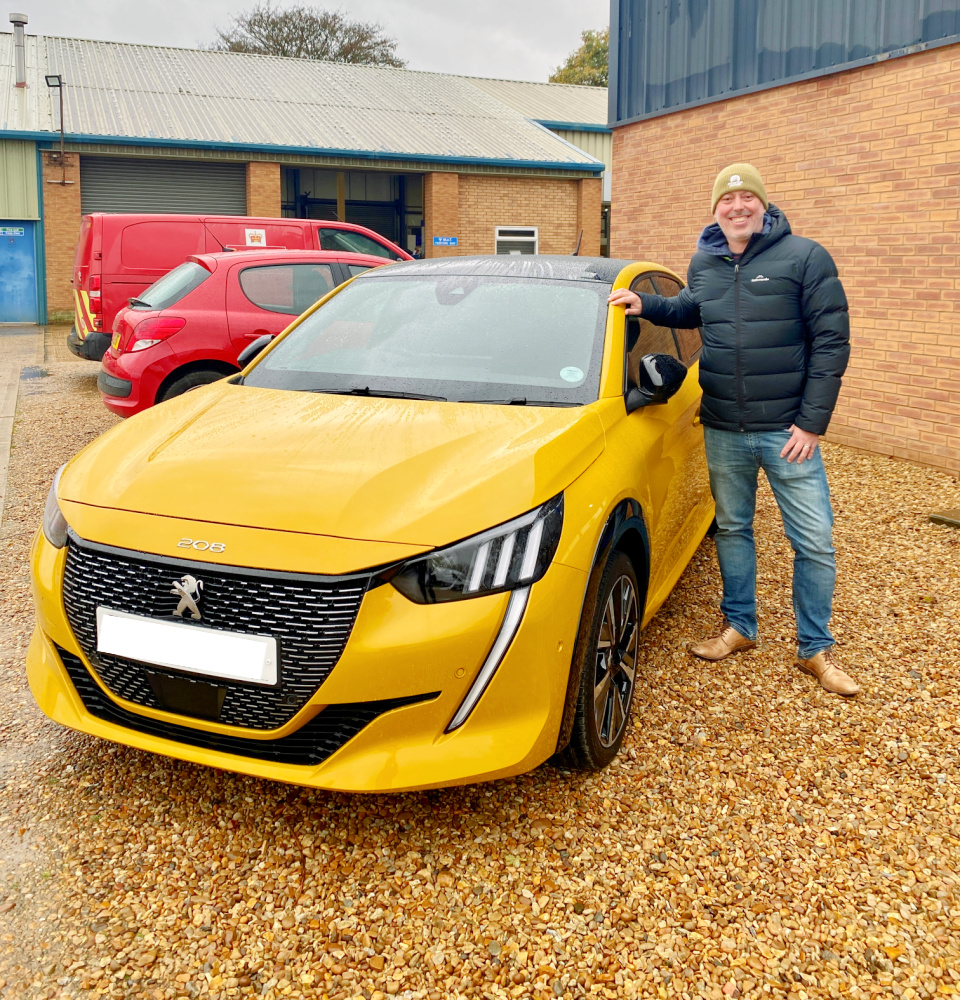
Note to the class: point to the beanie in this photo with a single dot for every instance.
(738, 177)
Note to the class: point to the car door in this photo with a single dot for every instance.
(264, 298)
(673, 441)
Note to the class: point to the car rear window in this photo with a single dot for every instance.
(287, 288)
(172, 287)
(344, 239)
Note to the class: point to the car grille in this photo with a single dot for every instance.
(311, 618)
(311, 744)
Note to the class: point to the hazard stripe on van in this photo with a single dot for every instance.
(82, 316)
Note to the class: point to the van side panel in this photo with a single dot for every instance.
(140, 252)
(230, 231)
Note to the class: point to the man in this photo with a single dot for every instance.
(775, 345)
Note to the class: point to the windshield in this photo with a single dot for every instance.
(172, 287)
(344, 239)
(470, 339)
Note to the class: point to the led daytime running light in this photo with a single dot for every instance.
(505, 558)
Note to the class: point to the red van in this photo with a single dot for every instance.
(118, 256)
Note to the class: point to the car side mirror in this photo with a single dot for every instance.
(253, 349)
(660, 378)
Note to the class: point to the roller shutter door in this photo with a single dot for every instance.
(381, 219)
(133, 185)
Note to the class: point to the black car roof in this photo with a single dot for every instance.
(568, 268)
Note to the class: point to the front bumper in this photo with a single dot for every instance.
(92, 347)
(405, 671)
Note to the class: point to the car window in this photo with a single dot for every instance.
(358, 268)
(689, 341)
(644, 337)
(465, 337)
(345, 239)
(172, 287)
(287, 288)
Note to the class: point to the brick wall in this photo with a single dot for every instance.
(471, 206)
(865, 162)
(61, 226)
(441, 213)
(589, 207)
(263, 189)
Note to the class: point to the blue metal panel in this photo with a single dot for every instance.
(18, 273)
(669, 54)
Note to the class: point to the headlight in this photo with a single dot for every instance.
(54, 523)
(512, 555)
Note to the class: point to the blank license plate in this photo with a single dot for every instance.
(228, 655)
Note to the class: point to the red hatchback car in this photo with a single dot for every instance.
(187, 328)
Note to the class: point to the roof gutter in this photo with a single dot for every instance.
(590, 167)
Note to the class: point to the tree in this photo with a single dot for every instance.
(589, 63)
(306, 32)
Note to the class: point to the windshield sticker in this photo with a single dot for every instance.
(571, 374)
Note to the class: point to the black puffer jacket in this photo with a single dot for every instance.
(776, 335)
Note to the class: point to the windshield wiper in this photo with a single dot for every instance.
(380, 393)
(522, 401)
(134, 301)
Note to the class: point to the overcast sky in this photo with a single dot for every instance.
(512, 39)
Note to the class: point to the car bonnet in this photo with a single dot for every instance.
(419, 472)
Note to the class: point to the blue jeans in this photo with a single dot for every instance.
(734, 459)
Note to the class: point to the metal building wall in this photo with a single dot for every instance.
(599, 145)
(667, 54)
(18, 180)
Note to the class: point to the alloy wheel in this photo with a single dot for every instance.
(616, 661)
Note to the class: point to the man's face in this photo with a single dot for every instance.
(739, 215)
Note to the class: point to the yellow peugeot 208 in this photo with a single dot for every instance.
(411, 545)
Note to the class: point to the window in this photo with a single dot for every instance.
(458, 336)
(342, 240)
(689, 341)
(287, 288)
(356, 269)
(511, 240)
(645, 338)
(172, 287)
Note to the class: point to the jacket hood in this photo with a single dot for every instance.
(390, 470)
(775, 226)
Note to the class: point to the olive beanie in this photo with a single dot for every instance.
(738, 177)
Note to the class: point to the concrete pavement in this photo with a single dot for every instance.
(20, 347)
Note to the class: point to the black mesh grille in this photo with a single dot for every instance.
(311, 744)
(311, 619)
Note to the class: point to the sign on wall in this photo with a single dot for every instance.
(11, 230)
(445, 241)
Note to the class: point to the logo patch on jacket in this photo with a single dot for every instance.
(759, 277)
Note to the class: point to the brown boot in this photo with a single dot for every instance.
(728, 642)
(825, 668)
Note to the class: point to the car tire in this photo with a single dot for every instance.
(607, 651)
(192, 380)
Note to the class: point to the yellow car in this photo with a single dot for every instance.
(411, 545)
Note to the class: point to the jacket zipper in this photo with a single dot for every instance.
(736, 328)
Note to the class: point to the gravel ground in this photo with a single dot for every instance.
(757, 837)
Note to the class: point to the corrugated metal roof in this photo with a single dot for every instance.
(666, 56)
(152, 94)
(549, 102)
